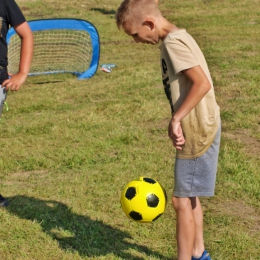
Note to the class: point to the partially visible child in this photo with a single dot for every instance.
(195, 125)
(11, 15)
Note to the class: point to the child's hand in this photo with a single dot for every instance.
(176, 134)
(15, 81)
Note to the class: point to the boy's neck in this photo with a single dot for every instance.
(165, 28)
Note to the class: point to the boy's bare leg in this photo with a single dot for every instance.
(185, 228)
(198, 247)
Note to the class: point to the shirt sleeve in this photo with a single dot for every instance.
(180, 55)
(15, 15)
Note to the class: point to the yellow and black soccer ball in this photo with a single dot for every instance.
(143, 200)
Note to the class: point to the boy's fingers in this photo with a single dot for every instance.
(178, 147)
(176, 135)
(12, 87)
(177, 143)
(4, 83)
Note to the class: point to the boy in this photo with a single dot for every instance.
(195, 125)
(11, 15)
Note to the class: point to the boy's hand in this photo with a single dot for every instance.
(176, 134)
(15, 81)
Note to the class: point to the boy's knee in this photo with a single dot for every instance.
(181, 203)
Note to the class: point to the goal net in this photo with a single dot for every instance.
(60, 46)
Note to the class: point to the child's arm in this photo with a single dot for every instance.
(16, 80)
(200, 86)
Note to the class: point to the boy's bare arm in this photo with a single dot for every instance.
(16, 80)
(200, 86)
(176, 134)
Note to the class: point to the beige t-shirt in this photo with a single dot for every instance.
(179, 51)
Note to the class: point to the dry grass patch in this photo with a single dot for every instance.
(242, 136)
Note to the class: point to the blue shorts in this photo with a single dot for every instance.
(197, 177)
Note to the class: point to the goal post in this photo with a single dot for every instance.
(61, 45)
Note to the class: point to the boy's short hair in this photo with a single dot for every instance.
(135, 11)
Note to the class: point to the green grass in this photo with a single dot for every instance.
(69, 146)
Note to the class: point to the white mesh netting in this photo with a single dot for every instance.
(55, 51)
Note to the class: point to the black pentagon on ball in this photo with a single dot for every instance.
(152, 200)
(165, 194)
(135, 215)
(130, 193)
(149, 180)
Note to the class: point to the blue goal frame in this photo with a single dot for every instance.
(72, 24)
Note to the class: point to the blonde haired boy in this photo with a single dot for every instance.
(195, 124)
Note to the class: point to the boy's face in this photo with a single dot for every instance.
(144, 33)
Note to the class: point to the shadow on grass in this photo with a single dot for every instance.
(103, 11)
(77, 233)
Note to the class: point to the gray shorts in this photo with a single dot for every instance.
(197, 177)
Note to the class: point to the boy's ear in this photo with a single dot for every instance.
(149, 23)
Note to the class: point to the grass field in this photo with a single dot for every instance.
(68, 147)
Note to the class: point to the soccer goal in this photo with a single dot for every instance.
(60, 46)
